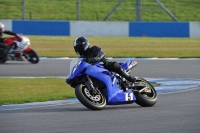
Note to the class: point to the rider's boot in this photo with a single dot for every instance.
(127, 76)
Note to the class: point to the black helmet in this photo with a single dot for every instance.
(81, 44)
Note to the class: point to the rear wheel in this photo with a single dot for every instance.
(89, 100)
(2, 60)
(145, 96)
(32, 57)
(3, 55)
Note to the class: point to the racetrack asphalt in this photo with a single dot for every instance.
(176, 111)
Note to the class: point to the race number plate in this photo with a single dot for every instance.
(129, 96)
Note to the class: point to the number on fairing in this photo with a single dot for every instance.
(129, 96)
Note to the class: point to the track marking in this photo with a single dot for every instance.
(154, 58)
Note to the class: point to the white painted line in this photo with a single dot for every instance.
(153, 58)
(189, 89)
(38, 104)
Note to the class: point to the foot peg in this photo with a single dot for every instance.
(132, 65)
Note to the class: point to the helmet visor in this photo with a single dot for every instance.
(79, 50)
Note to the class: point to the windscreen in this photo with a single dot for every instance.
(74, 63)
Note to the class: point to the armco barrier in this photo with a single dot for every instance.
(99, 28)
(195, 29)
(104, 28)
(51, 28)
(159, 29)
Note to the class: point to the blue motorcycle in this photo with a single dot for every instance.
(96, 87)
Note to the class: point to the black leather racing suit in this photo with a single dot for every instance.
(95, 54)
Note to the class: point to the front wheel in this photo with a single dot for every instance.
(91, 101)
(32, 57)
(146, 95)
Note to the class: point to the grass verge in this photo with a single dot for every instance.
(26, 90)
(62, 46)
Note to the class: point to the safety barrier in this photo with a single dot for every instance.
(104, 28)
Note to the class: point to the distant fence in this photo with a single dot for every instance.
(99, 10)
(101, 28)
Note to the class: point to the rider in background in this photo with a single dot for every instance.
(95, 54)
(2, 45)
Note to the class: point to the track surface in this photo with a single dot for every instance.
(145, 68)
(174, 112)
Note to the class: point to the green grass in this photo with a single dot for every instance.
(121, 46)
(184, 10)
(26, 90)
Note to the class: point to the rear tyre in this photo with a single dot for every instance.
(91, 101)
(2, 60)
(3, 54)
(146, 97)
(32, 57)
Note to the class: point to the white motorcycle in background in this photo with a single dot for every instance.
(23, 51)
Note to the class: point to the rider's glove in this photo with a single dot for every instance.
(94, 59)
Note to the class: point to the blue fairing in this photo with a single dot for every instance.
(114, 94)
(126, 64)
(77, 71)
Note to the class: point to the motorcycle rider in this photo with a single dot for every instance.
(95, 54)
(6, 48)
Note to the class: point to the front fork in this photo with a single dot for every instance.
(91, 87)
(27, 50)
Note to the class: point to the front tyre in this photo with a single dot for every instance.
(32, 57)
(91, 101)
(146, 96)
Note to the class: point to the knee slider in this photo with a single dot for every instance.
(115, 67)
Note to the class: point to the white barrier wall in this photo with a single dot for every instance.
(103, 28)
(7, 23)
(194, 29)
(98, 28)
